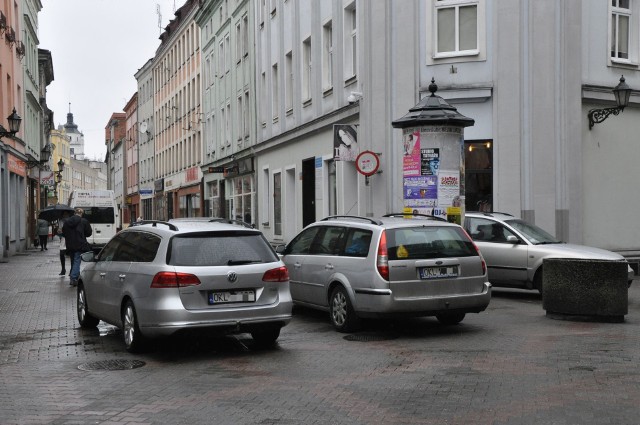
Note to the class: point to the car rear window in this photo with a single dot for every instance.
(220, 249)
(413, 243)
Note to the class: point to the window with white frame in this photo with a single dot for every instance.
(266, 196)
(227, 47)
(221, 59)
(238, 41)
(288, 88)
(228, 124)
(263, 99)
(327, 56)
(306, 69)
(456, 28)
(245, 35)
(277, 204)
(245, 114)
(350, 41)
(620, 30)
(239, 121)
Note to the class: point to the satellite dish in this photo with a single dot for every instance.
(143, 127)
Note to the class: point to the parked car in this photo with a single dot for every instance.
(397, 265)
(515, 249)
(158, 278)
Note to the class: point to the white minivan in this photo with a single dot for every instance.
(102, 212)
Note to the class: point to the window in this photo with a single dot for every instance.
(238, 40)
(459, 31)
(221, 61)
(327, 56)
(350, 42)
(306, 69)
(288, 89)
(245, 115)
(277, 204)
(245, 35)
(457, 27)
(275, 93)
(620, 34)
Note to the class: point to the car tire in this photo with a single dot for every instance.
(134, 341)
(343, 317)
(537, 280)
(450, 318)
(86, 320)
(266, 336)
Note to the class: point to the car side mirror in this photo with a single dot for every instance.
(280, 248)
(88, 257)
(512, 239)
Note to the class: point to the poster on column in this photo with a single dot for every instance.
(420, 192)
(448, 188)
(411, 154)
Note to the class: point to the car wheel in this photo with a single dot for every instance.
(537, 280)
(133, 339)
(266, 336)
(450, 318)
(86, 320)
(343, 317)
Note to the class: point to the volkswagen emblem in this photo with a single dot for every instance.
(232, 276)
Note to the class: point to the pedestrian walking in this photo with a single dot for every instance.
(63, 245)
(76, 229)
(42, 230)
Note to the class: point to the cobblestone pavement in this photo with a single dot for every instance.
(508, 365)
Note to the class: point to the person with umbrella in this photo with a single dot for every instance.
(63, 245)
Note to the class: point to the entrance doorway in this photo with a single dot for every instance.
(308, 191)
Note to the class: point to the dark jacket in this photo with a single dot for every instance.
(75, 231)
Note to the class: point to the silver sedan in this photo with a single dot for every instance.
(515, 249)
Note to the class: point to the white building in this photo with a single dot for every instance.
(526, 71)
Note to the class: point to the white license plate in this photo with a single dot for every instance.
(438, 272)
(232, 297)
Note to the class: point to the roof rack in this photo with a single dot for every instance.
(488, 213)
(155, 223)
(231, 221)
(352, 217)
(429, 216)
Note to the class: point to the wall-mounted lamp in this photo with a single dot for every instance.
(59, 172)
(45, 154)
(354, 97)
(14, 125)
(622, 92)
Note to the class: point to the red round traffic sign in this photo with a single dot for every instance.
(367, 163)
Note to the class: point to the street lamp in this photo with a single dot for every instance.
(45, 154)
(14, 125)
(622, 92)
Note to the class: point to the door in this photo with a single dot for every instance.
(294, 258)
(308, 191)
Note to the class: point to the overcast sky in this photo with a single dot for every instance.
(97, 46)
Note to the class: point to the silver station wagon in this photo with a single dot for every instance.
(397, 265)
(158, 278)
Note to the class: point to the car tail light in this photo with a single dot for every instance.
(484, 264)
(174, 280)
(382, 261)
(281, 274)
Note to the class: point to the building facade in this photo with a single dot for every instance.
(229, 113)
(146, 150)
(177, 133)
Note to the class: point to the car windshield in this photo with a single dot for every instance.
(99, 215)
(412, 243)
(220, 249)
(532, 233)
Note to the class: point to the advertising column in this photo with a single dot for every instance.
(433, 158)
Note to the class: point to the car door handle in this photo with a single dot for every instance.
(102, 275)
(122, 276)
(328, 267)
(297, 265)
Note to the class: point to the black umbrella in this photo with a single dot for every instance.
(54, 212)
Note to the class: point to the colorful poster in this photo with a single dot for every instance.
(411, 154)
(420, 191)
(448, 187)
(429, 161)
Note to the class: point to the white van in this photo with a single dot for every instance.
(102, 212)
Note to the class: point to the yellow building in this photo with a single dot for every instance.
(60, 191)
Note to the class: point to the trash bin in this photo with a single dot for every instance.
(585, 290)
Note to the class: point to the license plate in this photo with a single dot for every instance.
(232, 297)
(438, 272)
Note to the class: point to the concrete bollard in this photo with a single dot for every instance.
(585, 290)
